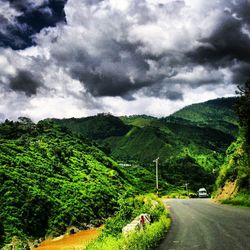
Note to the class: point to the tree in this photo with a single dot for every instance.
(1, 233)
(25, 120)
(243, 108)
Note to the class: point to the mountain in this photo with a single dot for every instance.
(56, 174)
(96, 127)
(51, 179)
(200, 128)
(207, 127)
(138, 120)
(198, 135)
(218, 114)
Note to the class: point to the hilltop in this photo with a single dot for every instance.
(218, 114)
(96, 127)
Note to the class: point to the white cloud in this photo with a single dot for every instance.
(8, 13)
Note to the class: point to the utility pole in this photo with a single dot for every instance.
(156, 174)
(186, 184)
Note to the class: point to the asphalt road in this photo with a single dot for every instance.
(202, 224)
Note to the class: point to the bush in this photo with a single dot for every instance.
(51, 179)
(241, 199)
(148, 238)
(106, 243)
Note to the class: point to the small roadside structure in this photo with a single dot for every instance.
(138, 223)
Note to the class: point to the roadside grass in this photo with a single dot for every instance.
(179, 193)
(150, 237)
(175, 192)
(174, 195)
(241, 199)
(142, 239)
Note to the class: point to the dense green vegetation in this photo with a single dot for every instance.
(236, 168)
(96, 127)
(141, 239)
(217, 114)
(138, 120)
(202, 129)
(243, 110)
(57, 173)
(191, 143)
(51, 179)
(186, 170)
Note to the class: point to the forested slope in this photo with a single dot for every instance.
(51, 179)
(191, 143)
(218, 114)
(233, 182)
(199, 129)
(55, 174)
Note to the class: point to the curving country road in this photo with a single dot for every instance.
(202, 224)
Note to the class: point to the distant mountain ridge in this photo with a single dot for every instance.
(218, 113)
(191, 143)
(96, 127)
(202, 128)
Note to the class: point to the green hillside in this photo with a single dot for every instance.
(218, 114)
(180, 134)
(51, 179)
(138, 120)
(233, 182)
(201, 132)
(96, 127)
(205, 128)
(144, 144)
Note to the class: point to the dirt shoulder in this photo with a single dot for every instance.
(70, 242)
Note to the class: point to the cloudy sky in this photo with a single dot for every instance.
(62, 58)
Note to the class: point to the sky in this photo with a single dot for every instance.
(77, 58)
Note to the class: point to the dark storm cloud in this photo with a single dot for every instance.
(229, 44)
(174, 95)
(156, 47)
(127, 58)
(118, 71)
(25, 82)
(241, 72)
(108, 85)
(144, 51)
(164, 91)
(30, 18)
(168, 94)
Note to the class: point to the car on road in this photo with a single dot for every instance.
(202, 193)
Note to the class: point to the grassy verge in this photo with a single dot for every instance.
(241, 199)
(143, 239)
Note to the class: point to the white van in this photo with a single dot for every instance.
(202, 193)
